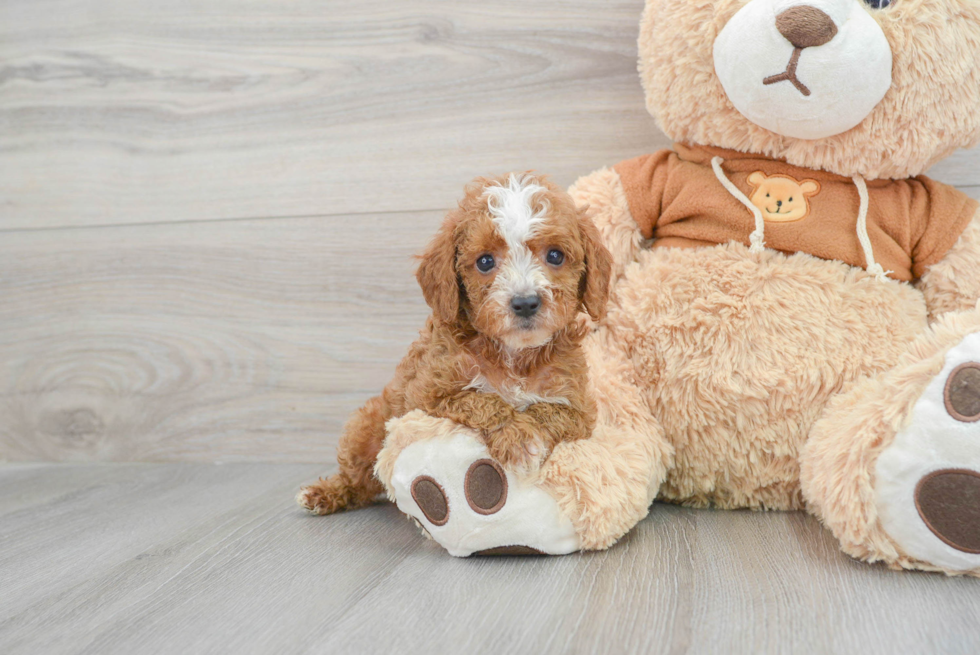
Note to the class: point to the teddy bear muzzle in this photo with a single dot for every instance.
(805, 27)
(820, 39)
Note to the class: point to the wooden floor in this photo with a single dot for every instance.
(207, 216)
(199, 558)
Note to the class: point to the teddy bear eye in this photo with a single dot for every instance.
(791, 198)
(767, 195)
(485, 263)
(877, 4)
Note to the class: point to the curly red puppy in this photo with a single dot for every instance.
(506, 277)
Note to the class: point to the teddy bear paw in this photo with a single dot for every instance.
(927, 482)
(471, 505)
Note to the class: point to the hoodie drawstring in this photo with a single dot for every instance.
(871, 265)
(757, 238)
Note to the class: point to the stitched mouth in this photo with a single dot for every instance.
(789, 75)
(776, 211)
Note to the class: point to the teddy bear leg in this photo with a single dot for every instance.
(605, 484)
(587, 494)
(602, 192)
(893, 466)
(440, 474)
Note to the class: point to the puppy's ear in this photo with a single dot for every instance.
(594, 287)
(437, 272)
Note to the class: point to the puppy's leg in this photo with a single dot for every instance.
(355, 485)
(521, 444)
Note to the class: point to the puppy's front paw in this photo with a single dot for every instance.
(516, 449)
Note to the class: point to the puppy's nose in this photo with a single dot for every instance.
(526, 306)
(779, 203)
(806, 27)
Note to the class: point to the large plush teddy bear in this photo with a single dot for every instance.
(794, 321)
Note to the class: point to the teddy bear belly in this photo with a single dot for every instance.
(741, 352)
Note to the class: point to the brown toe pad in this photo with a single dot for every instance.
(431, 499)
(485, 487)
(948, 501)
(962, 393)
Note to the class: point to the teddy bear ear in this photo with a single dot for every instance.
(757, 178)
(810, 187)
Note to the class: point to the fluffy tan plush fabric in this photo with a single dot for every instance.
(954, 283)
(605, 484)
(740, 355)
(929, 112)
(602, 192)
(838, 460)
(742, 351)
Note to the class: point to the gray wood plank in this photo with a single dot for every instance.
(189, 558)
(115, 111)
(211, 341)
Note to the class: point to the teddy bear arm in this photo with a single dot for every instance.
(953, 283)
(602, 191)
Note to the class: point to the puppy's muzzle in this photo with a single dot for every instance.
(525, 306)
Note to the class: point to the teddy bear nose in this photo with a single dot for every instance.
(806, 27)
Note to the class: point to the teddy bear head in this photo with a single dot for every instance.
(878, 88)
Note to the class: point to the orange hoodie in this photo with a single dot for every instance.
(679, 200)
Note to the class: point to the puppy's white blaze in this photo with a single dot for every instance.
(516, 217)
(513, 210)
(520, 275)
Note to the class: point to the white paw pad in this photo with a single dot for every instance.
(470, 505)
(928, 481)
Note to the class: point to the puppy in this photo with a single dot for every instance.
(506, 277)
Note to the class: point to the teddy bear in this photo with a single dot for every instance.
(793, 321)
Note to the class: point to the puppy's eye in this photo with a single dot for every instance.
(555, 257)
(791, 198)
(485, 263)
(878, 4)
